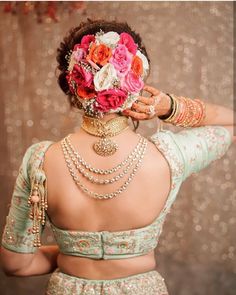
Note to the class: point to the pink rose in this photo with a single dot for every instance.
(121, 59)
(132, 82)
(128, 41)
(109, 99)
(81, 77)
(79, 54)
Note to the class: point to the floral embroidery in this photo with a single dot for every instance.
(150, 283)
(200, 146)
(110, 245)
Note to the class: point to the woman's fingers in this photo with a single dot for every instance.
(146, 100)
(140, 108)
(151, 90)
(135, 115)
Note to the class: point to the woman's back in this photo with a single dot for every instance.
(137, 206)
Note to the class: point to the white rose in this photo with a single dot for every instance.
(104, 78)
(144, 60)
(110, 39)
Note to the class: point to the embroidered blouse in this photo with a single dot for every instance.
(187, 151)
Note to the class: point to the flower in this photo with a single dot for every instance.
(106, 72)
(137, 65)
(81, 76)
(86, 40)
(99, 54)
(132, 82)
(79, 54)
(128, 41)
(104, 78)
(144, 60)
(76, 56)
(110, 38)
(121, 59)
(109, 99)
(86, 93)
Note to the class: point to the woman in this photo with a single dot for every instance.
(105, 189)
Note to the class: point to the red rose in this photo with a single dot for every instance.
(110, 99)
(81, 76)
(85, 41)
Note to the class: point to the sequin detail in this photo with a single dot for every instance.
(148, 283)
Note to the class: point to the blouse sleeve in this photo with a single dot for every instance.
(18, 233)
(200, 146)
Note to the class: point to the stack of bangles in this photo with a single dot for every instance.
(185, 112)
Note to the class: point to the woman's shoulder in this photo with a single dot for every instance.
(38, 147)
(34, 154)
(164, 142)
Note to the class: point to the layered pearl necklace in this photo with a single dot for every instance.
(78, 166)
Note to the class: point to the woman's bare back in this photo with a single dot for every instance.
(69, 208)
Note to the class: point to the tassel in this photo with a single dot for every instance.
(38, 204)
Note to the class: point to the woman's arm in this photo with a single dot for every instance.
(215, 114)
(25, 264)
(218, 115)
(18, 254)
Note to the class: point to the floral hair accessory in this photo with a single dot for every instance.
(106, 72)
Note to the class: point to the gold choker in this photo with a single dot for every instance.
(97, 127)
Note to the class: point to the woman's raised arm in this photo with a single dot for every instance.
(215, 114)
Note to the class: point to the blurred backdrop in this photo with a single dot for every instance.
(191, 49)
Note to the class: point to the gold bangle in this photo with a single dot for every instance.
(167, 120)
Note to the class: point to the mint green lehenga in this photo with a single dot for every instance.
(186, 152)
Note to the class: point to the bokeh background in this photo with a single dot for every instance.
(191, 49)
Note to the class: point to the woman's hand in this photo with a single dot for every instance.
(146, 108)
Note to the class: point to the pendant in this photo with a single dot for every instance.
(105, 147)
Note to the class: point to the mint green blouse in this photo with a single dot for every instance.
(187, 151)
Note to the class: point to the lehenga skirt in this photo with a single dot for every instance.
(148, 283)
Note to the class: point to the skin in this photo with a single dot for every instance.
(138, 206)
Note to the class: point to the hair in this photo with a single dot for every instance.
(75, 35)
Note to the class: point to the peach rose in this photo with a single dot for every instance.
(137, 65)
(99, 54)
(86, 92)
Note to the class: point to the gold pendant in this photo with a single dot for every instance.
(105, 147)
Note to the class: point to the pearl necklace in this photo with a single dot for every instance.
(74, 161)
(73, 155)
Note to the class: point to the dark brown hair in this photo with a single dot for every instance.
(75, 35)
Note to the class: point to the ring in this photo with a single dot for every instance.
(151, 110)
